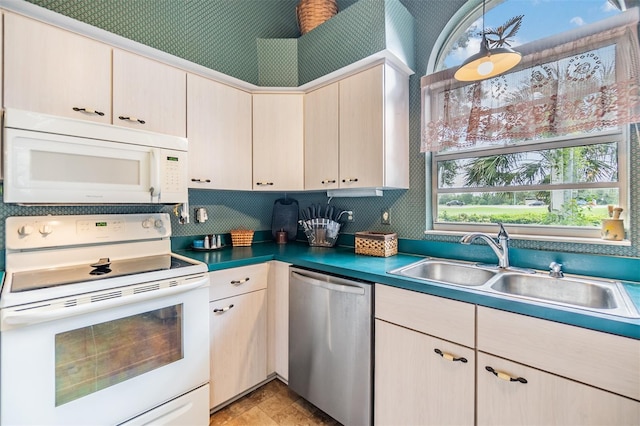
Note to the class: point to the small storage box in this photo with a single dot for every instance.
(381, 244)
(241, 237)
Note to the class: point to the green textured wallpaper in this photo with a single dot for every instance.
(223, 34)
(278, 62)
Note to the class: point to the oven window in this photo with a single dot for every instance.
(92, 358)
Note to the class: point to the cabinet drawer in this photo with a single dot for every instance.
(599, 359)
(545, 399)
(437, 316)
(231, 282)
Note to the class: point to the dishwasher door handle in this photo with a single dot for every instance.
(343, 288)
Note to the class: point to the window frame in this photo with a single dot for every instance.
(620, 136)
(456, 26)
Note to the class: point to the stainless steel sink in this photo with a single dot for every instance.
(593, 295)
(562, 290)
(447, 272)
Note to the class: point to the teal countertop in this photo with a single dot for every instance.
(343, 261)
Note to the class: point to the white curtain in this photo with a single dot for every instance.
(560, 87)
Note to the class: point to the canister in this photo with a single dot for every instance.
(612, 229)
(281, 237)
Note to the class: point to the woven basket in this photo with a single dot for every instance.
(241, 237)
(312, 13)
(380, 244)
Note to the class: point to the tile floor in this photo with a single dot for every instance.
(271, 404)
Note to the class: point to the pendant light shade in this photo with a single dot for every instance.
(487, 63)
(490, 62)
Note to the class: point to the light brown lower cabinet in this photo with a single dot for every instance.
(238, 331)
(415, 385)
(520, 370)
(545, 399)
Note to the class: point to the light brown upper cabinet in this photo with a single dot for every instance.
(148, 95)
(278, 146)
(52, 71)
(357, 131)
(321, 138)
(219, 132)
(374, 129)
(58, 72)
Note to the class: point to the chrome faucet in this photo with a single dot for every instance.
(500, 248)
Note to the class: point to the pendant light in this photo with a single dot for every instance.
(490, 62)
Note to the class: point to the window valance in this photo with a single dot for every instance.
(578, 81)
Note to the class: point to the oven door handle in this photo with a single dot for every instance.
(39, 315)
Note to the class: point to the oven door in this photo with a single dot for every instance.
(104, 363)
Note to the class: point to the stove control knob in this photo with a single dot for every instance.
(46, 229)
(25, 230)
(147, 223)
(158, 223)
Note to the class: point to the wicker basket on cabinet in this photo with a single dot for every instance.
(312, 13)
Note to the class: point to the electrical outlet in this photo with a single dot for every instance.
(385, 218)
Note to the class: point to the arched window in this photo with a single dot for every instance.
(542, 148)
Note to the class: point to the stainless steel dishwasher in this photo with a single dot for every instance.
(330, 344)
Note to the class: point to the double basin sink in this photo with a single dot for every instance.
(594, 295)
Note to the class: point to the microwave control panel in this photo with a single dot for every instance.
(172, 178)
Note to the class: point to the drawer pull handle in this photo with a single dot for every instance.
(449, 357)
(264, 183)
(324, 182)
(219, 310)
(88, 111)
(201, 180)
(238, 282)
(505, 376)
(124, 117)
(350, 180)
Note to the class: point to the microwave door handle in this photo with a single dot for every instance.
(154, 191)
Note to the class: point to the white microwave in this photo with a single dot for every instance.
(56, 160)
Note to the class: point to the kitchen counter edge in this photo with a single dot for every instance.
(343, 261)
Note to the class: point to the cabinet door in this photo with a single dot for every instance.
(148, 95)
(545, 399)
(417, 386)
(279, 319)
(321, 138)
(238, 327)
(361, 129)
(219, 133)
(52, 71)
(278, 156)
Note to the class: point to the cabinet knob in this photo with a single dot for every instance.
(350, 180)
(201, 180)
(450, 357)
(264, 183)
(326, 181)
(238, 282)
(505, 376)
(89, 111)
(220, 310)
(127, 118)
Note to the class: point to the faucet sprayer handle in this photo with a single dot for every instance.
(556, 270)
(502, 234)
